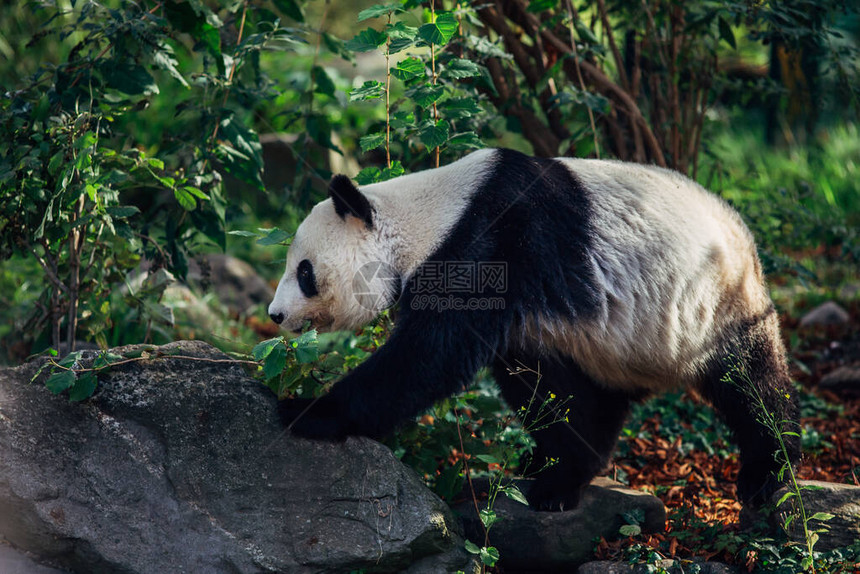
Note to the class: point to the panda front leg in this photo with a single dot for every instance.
(748, 382)
(429, 356)
(569, 453)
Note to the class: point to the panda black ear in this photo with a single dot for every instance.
(348, 200)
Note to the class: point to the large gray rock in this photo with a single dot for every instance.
(180, 465)
(840, 500)
(235, 283)
(843, 379)
(535, 541)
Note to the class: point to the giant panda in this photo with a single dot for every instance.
(619, 281)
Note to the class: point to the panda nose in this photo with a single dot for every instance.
(277, 317)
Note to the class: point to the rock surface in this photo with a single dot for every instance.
(828, 313)
(840, 500)
(843, 379)
(180, 465)
(235, 283)
(533, 541)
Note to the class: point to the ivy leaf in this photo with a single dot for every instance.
(434, 135)
(726, 33)
(426, 95)
(322, 82)
(472, 548)
(408, 69)
(366, 40)
(440, 31)
(488, 517)
(371, 141)
(378, 10)
(370, 90)
(459, 68)
(59, 382)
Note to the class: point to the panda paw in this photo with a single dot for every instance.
(319, 418)
(551, 496)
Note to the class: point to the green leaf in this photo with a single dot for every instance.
(489, 556)
(488, 517)
(366, 40)
(378, 10)
(322, 82)
(822, 516)
(368, 175)
(291, 9)
(440, 31)
(472, 548)
(128, 78)
(459, 68)
(630, 530)
(59, 382)
(275, 236)
(185, 199)
(465, 140)
(84, 387)
(541, 5)
(513, 492)
(458, 108)
(262, 349)
(488, 458)
(434, 135)
(275, 362)
(306, 347)
(368, 91)
(408, 69)
(122, 211)
(726, 32)
(425, 95)
(402, 37)
(371, 141)
(396, 170)
(242, 233)
(785, 497)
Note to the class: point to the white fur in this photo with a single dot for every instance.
(413, 214)
(677, 268)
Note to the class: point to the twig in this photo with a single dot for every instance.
(571, 13)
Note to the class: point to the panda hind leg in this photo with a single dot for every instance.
(568, 453)
(748, 382)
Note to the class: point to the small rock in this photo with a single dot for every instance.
(670, 566)
(840, 500)
(828, 313)
(531, 540)
(843, 379)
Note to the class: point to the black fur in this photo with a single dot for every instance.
(348, 200)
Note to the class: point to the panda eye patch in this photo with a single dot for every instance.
(306, 278)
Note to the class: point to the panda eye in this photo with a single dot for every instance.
(306, 278)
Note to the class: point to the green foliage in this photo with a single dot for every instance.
(86, 193)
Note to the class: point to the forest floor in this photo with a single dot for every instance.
(698, 487)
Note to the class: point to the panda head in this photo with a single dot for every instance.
(333, 276)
